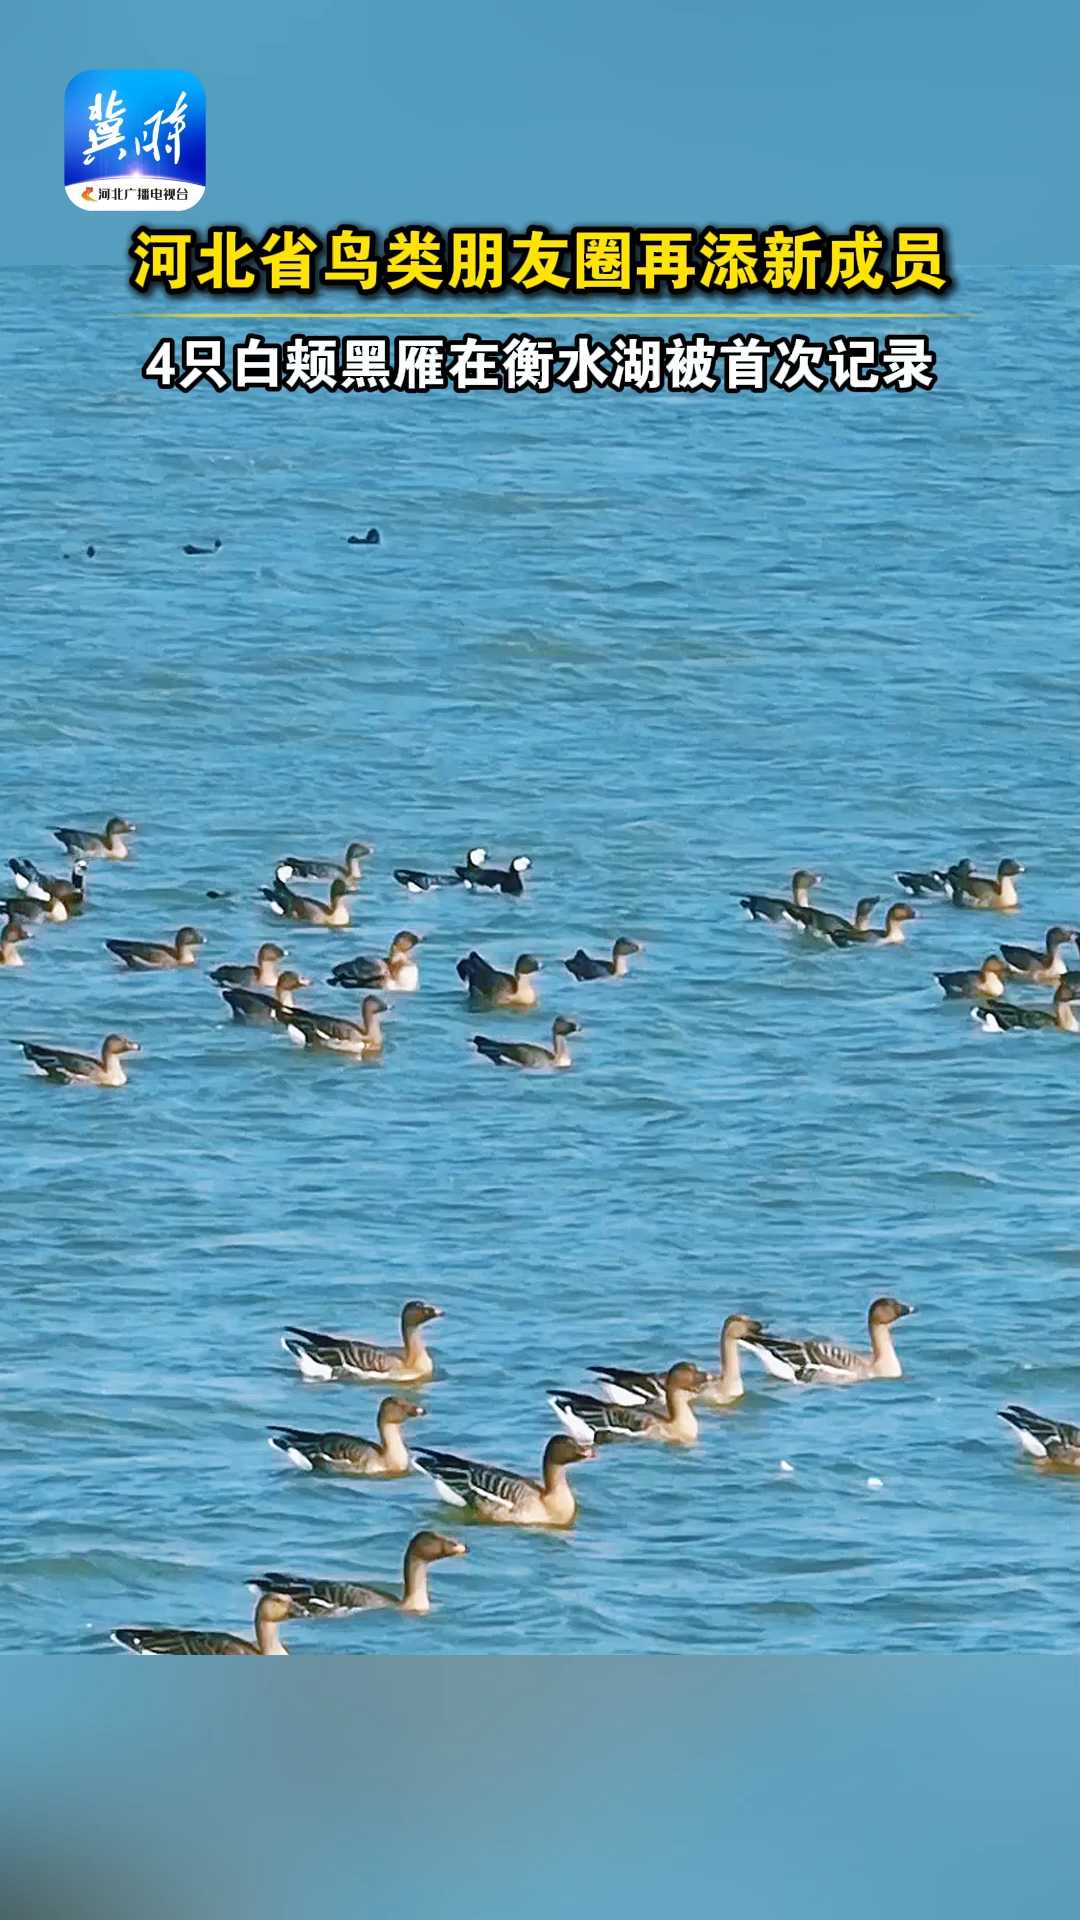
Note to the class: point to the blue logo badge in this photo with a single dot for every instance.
(135, 140)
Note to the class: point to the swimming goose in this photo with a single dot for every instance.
(532, 1059)
(331, 1356)
(509, 879)
(325, 1030)
(82, 844)
(626, 1387)
(46, 886)
(1004, 1017)
(1044, 969)
(936, 881)
(398, 973)
(32, 911)
(417, 881)
(372, 538)
(314, 913)
(259, 1009)
(264, 973)
(584, 967)
(967, 889)
(890, 935)
(12, 934)
(143, 955)
(490, 988)
(1071, 980)
(807, 1361)
(386, 1458)
(350, 869)
(765, 906)
(817, 920)
(270, 1611)
(57, 1064)
(333, 1599)
(975, 983)
(504, 1498)
(587, 1418)
(214, 548)
(1055, 1442)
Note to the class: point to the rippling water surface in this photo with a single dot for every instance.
(672, 648)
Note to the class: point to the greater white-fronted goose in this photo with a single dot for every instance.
(145, 956)
(83, 844)
(587, 1418)
(504, 1498)
(311, 913)
(968, 889)
(397, 973)
(767, 906)
(1043, 968)
(81, 1068)
(363, 1037)
(386, 1458)
(253, 1009)
(584, 967)
(1005, 1017)
(525, 1055)
(1054, 1443)
(337, 1356)
(627, 1387)
(350, 869)
(264, 973)
(333, 1599)
(415, 880)
(271, 1609)
(826, 1362)
(487, 987)
(975, 983)
(890, 935)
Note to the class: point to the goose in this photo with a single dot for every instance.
(264, 973)
(488, 987)
(333, 1356)
(626, 1387)
(363, 1037)
(1005, 1017)
(81, 1068)
(333, 1599)
(817, 920)
(584, 967)
(936, 881)
(1043, 969)
(530, 1058)
(504, 1498)
(765, 906)
(1056, 1443)
(890, 935)
(398, 973)
(589, 1419)
(967, 889)
(271, 1609)
(214, 547)
(975, 983)
(386, 1458)
(143, 956)
(32, 911)
(417, 881)
(259, 1009)
(46, 886)
(12, 935)
(313, 913)
(350, 869)
(509, 879)
(83, 844)
(372, 538)
(824, 1361)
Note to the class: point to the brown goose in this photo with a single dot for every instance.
(766, 906)
(350, 869)
(12, 935)
(967, 889)
(1054, 1443)
(890, 935)
(527, 1057)
(271, 1610)
(312, 913)
(343, 1453)
(1044, 968)
(398, 973)
(810, 1361)
(145, 956)
(109, 845)
(264, 973)
(587, 1418)
(975, 983)
(627, 1387)
(81, 1068)
(488, 987)
(584, 967)
(508, 1499)
(261, 1009)
(1004, 1017)
(333, 1599)
(332, 1356)
(325, 1030)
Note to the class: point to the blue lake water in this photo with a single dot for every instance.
(671, 647)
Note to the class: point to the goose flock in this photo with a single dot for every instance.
(662, 1405)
